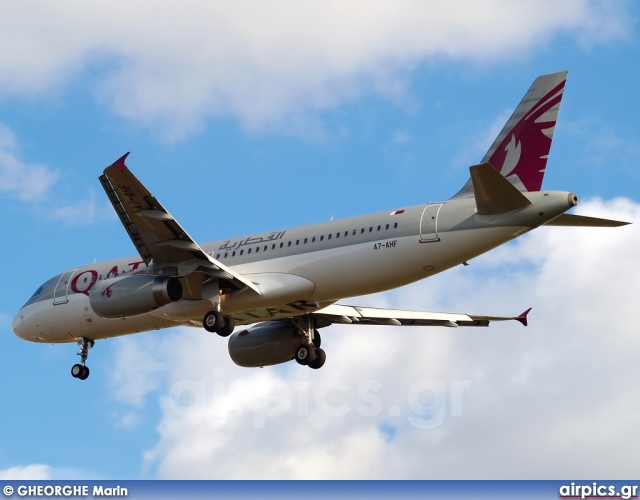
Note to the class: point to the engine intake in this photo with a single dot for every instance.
(133, 295)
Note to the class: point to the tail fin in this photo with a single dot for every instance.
(521, 149)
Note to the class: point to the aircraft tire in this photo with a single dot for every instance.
(77, 370)
(316, 339)
(319, 361)
(305, 354)
(213, 321)
(85, 373)
(227, 327)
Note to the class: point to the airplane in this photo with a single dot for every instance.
(287, 283)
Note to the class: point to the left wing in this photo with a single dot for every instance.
(155, 233)
(337, 313)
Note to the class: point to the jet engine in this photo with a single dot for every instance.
(265, 344)
(132, 295)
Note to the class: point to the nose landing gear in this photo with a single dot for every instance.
(80, 370)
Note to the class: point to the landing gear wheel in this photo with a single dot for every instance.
(305, 354)
(316, 339)
(80, 371)
(77, 371)
(320, 359)
(227, 327)
(213, 321)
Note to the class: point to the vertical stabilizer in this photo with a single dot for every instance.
(521, 150)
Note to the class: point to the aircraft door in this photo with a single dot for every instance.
(62, 288)
(429, 223)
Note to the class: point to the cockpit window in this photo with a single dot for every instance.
(36, 293)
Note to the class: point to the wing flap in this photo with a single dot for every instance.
(338, 313)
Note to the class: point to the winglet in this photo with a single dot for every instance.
(523, 317)
(120, 162)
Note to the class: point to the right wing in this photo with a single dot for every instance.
(338, 313)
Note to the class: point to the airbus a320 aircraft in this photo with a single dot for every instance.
(289, 281)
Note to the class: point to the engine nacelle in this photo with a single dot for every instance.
(133, 295)
(268, 343)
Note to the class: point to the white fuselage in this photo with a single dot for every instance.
(298, 270)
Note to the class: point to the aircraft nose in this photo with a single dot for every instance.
(17, 325)
(24, 324)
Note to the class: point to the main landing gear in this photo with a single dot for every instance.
(80, 370)
(309, 353)
(216, 322)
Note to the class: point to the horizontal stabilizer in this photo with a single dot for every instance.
(568, 220)
(494, 194)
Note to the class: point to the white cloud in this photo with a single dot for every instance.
(27, 182)
(82, 212)
(41, 472)
(401, 137)
(33, 184)
(170, 66)
(554, 400)
(28, 472)
(475, 147)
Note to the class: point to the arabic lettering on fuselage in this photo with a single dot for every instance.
(252, 240)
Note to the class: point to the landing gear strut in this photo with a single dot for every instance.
(216, 322)
(80, 370)
(309, 353)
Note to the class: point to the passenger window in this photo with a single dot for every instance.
(297, 242)
(289, 244)
(226, 254)
(233, 254)
(379, 228)
(241, 251)
(281, 245)
(395, 225)
(362, 231)
(249, 251)
(305, 240)
(313, 240)
(337, 235)
(322, 237)
(387, 227)
(329, 237)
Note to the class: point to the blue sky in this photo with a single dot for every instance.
(243, 118)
